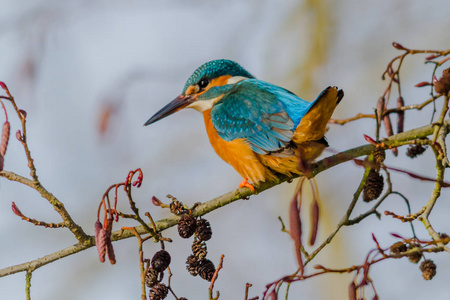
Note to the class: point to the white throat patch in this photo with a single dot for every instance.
(235, 79)
(202, 105)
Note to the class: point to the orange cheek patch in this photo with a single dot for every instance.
(219, 81)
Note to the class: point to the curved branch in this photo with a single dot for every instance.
(57, 205)
(218, 202)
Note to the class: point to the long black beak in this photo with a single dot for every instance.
(174, 106)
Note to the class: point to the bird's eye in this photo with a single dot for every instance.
(203, 83)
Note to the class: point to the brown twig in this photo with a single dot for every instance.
(213, 280)
(357, 117)
(141, 259)
(35, 222)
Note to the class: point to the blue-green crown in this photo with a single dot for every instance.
(214, 69)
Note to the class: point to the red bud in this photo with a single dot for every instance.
(23, 113)
(156, 201)
(399, 46)
(16, 210)
(397, 236)
(19, 136)
(370, 140)
(432, 56)
(423, 83)
(3, 86)
(374, 239)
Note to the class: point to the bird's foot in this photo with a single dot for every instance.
(245, 183)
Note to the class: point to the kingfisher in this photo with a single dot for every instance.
(259, 128)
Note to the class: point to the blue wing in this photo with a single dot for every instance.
(264, 114)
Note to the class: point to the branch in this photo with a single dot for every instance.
(57, 205)
(220, 201)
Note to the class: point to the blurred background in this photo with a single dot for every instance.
(90, 73)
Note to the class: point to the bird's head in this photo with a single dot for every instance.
(204, 87)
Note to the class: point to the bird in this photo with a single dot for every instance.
(259, 128)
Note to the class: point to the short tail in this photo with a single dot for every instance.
(313, 125)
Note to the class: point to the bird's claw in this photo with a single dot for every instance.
(245, 183)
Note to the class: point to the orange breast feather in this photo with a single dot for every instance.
(237, 153)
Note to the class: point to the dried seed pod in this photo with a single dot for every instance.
(389, 131)
(206, 269)
(110, 252)
(352, 291)
(161, 260)
(398, 247)
(373, 187)
(415, 150)
(401, 115)
(5, 138)
(380, 108)
(415, 256)
(379, 155)
(151, 277)
(187, 226)
(176, 207)
(428, 269)
(108, 242)
(199, 249)
(158, 292)
(192, 264)
(203, 231)
(442, 86)
(100, 240)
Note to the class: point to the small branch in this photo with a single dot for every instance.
(35, 222)
(28, 284)
(357, 117)
(407, 218)
(434, 196)
(247, 287)
(141, 260)
(214, 278)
